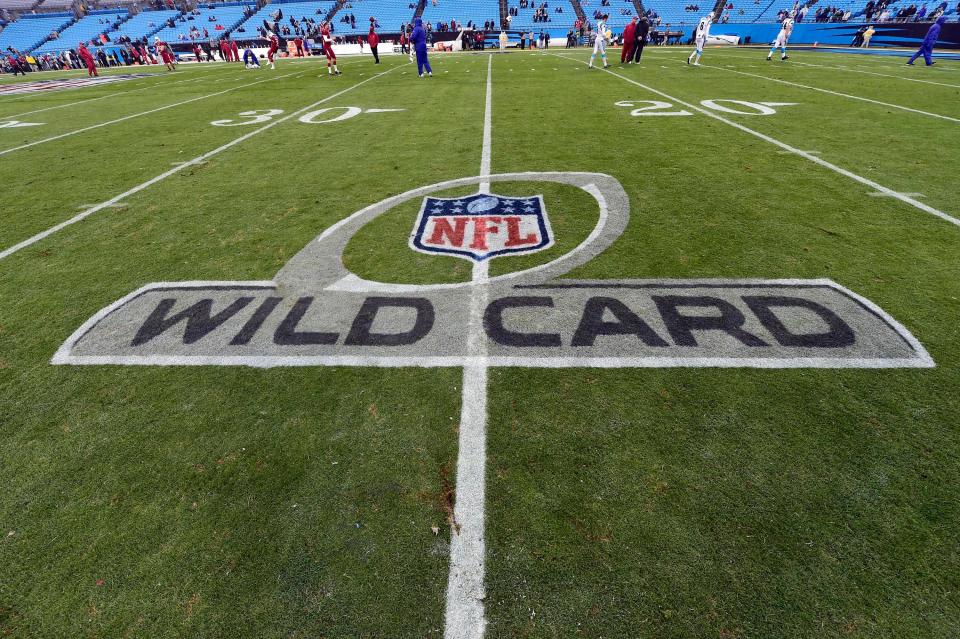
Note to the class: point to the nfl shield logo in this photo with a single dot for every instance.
(482, 226)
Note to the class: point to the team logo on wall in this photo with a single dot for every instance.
(482, 226)
(315, 312)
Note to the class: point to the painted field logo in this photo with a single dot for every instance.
(482, 226)
(316, 312)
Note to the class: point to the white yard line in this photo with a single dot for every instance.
(906, 199)
(827, 91)
(135, 115)
(846, 68)
(465, 587)
(200, 159)
(102, 97)
(18, 97)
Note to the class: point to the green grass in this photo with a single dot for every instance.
(210, 502)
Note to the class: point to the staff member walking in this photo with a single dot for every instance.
(629, 39)
(640, 38)
(374, 41)
(419, 40)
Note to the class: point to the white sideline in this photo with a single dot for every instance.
(884, 75)
(18, 97)
(465, 585)
(827, 91)
(786, 147)
(102, 97)
(137, 115)
(200, 159)
(844, 68)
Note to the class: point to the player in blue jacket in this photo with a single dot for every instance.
(419, 40)
(926, 48)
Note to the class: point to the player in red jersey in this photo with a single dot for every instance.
(165, 54)
(234, 49)
(87, 58)
(196, 52)
(327, 42)
(274, 47)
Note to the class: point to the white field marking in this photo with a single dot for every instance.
(79, 72)
(135, 115)
(852, 70)
(881, 194)
(906, 199)
(883, 75)
(200, 159)
(102, 97)
(16, 124)
(828, 91)
(115, 205)
(465, 585)
(791, 152)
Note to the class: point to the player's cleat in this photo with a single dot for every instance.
(909, 64)
(786, 57)
(696, 64)
(769, 58)
(606, 66)
(430, 73)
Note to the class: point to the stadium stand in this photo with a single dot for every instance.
(84, 30)
(315, 11)
(143, 25)
(523, 17)
(463, 11)
(620, 12)
(30, 30)
(389, 14)
(218, 20)
(16, 5)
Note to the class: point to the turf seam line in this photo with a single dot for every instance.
(136, 115)
(786, 147)
(200, 159)
(465, 585)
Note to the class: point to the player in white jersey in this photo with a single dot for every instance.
(600, 44)
(781, 42)
(700, 38)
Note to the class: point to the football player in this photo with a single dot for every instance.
(600, 44)
(700, 38)
(781, 42)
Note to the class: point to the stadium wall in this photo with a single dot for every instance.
(908, 34)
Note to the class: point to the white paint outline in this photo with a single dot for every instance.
(103, 97)
(136, 115)
(923, 359)
(827, 91)
(200, 159)
(464, 618)
(786, 147)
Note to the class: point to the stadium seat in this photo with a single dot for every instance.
(83, 30)
(30, 31)
(143, 25)
(226, 15)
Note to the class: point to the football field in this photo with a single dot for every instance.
(524, 349)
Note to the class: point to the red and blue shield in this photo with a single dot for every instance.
(482, 226)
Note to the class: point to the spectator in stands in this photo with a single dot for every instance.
(921, 13)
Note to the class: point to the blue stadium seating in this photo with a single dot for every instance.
(227, 15)
(558, 21)
(297, 10)
(479, 11)
(143, 25)
(30, 30)
(389, 14)
(83, 30)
